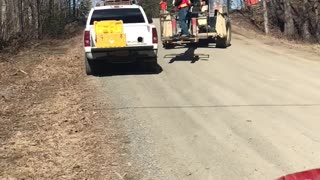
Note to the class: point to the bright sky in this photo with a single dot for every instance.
(94, 2)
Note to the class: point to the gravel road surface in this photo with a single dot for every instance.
(250, 111)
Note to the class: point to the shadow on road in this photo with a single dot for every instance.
(188, 55)
(123, 69)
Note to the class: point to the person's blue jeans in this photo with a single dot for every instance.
(183, 14)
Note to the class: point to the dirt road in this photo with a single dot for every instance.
(250, 111)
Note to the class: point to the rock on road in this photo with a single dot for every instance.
(250, 111)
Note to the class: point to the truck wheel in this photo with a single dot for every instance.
(153, 64)
(89, 65)
(150, 65)
(224, 42)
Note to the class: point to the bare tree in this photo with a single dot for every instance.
(289, 23)
(1, 4)
(317, 8)
(74, 7)
(265, 17)
(305, 23)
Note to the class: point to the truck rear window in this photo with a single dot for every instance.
(127, 15)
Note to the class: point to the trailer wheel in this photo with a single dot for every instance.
(168, 46)
(224, 42)
(203, 43)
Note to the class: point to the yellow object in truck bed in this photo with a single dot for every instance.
(108, 27)
(111, 40)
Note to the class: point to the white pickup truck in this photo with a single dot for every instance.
(141, 37)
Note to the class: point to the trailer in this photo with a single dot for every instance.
(208, 23)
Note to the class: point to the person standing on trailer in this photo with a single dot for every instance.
(183, 7)
(204, 5)
(163, 9)
(163, 5)
(163, 12)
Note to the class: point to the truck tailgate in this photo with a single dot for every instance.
(136, 32)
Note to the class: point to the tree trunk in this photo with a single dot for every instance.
(5, 21)
(69, 7)
(34, 22)
(289, 28)
(265, 17)
(306, 35)
(317, 21)
(1, 13)
(38, 6)
(1, 24)
(51, 3)
(74, 8)
(20, 10)
(9, 25)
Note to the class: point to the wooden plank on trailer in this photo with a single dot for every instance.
(167, 27)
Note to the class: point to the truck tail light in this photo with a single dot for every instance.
(154, 36)
(87, 39)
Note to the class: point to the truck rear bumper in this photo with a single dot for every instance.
(126, 54)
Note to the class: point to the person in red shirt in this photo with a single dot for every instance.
(184, 7)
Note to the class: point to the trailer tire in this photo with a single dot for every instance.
(168, 46)
(203, 43)
(224, 42)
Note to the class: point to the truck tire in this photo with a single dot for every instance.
(150, 65)
(89, 65)
(153, 64)
(224, 42)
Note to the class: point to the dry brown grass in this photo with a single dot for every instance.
(48, 128)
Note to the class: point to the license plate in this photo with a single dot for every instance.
(120, 53)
